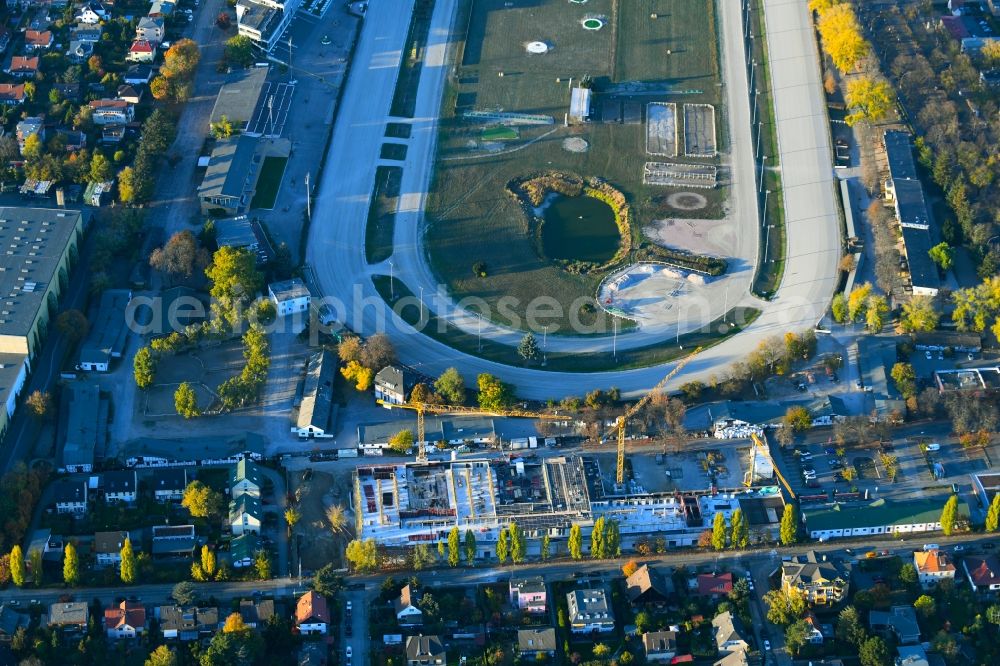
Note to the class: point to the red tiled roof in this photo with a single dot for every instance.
(311, 606)
(983, 571)
(12, 91)
(932, 561)
(108, 104)
(22, 63)
(128, 613)
(709, 584)
(141, 46)
(36, 38)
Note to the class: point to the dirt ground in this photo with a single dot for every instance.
(318, 545)
(711, 237)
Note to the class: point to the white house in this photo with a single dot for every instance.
(92, 13)
(933, 566)
(111, 112)
(405, 606)
(245, 515)
(71, 497)
(590, 611)
(150, 29)
(289, 296)
(120, 486)
(311, 614)
(128, 620)
(141, 51)
(107, 548)
(168, 484)
(245, 479)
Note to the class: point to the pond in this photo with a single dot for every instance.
(579, 229)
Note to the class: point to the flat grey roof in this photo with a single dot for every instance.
(288, 289)
(10, 369)
(900, 155)
(317, 395)
(108, 332)
(923, 271)
(32, 241)
(235, 232)
(260, 18)
(84, 430)
(229, 167)
(238, 96)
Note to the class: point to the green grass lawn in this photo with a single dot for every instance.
(500, 134)
(269, 182)
(471, 217)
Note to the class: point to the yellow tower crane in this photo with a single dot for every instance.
(623, 419)
(422, 408)
(760, 445)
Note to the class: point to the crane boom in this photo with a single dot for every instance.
(422, 408)
(630, 412)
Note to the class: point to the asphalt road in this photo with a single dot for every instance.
(336, 240)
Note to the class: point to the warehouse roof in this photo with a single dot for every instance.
(108, 332)
(238, 96)
(900, 155)
(317, 394)
(877, 514)
(229, 167)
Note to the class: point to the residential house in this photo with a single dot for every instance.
(256, 613)
(11, 94)
(425, 651)
(531, 642)
(69, 615)
(245, 515)
(187, 624)
(737, 658)
(128, 93)
(814, 634)
(647, 586)
(171, 541)
(32, 126)
(230, 179)
(138, 75)
(264, 21)
(659, 646)
(243, 549)
(168, 484)
(161, 8)
(822, 581)
(590, 611)
(112, 112)
(730, 634)
(23, 67)
(108, 547)
(120, 486)
(79, 51)
(289, 296)
(911, 655)
(713, 585)
(82, 32)
(405, 605)
(311, 614)
(73, 140)
(150, 29)
(128, 620)
(393, 384)
(10, 620)
(983, 573)
(900, 621)
(245, 478)
(70, 91)
(528, 594)
(317, 409)
(70, 497)
(92, 13)
(37, 40)
(932, 567)
(141, 51)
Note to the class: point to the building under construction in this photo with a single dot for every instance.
(405, 504)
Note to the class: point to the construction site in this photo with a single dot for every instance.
(404, 504)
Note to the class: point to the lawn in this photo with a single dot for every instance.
(560, 362)
(471, 218)
(269, 182)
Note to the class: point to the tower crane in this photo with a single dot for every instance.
(760, 445)
(623, 419)
(422, 408)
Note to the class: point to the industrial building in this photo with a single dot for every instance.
(40, 245)
(403, 504)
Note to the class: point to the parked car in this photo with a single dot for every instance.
(933, 446)
(767, 645)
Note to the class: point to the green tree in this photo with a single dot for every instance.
(797, 635)
(875, 313)
(184, 593)
(575, 542)
(162, 656)
(327, 581)
(201, 501)
(503, 546)
(993, 514)
(943, 255)
(235, 281)
(918, 315)
(239, 51)
(785, 606)
(905, 378)
(518, 543)
(546, 547)
(262, 565)
(454, 547)
(948, 515)
(185, 401)
(222, 129)
(470, 547)
(849, 628)
(71, 565)
(740, 530)
(874, 652)
(908, 574)
(363, 555)
(451, 387)
(100, 168)
(144, 366)
(612, 539)
(17, 567)
(789, 530)
(839, 308)
(127, 185)
(35, 564)
(493, 394)
(925, 605)
(401, 442)
(719, 531)
(128, 568)
(597, 538)
(528, 347)
(797, 419)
